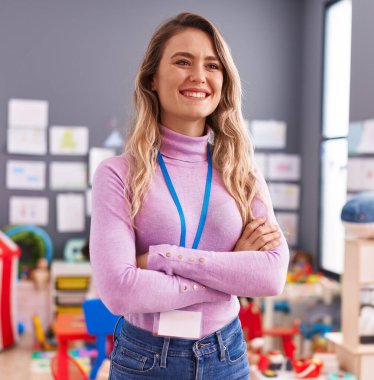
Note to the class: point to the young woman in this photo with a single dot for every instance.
(181, 226)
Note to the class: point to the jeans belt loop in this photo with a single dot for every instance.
(115, 328)
(164, 353)
(221, 345)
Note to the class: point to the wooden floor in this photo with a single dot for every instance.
(15, 362)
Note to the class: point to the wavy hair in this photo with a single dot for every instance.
(232, 149)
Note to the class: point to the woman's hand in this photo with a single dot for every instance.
(142, 260)
(258, 237)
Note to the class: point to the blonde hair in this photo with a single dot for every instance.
(232, 149)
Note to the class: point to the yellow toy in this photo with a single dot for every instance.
(40, 336)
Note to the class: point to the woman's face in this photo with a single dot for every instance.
(189, 78)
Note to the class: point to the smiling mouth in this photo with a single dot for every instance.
(194, 94)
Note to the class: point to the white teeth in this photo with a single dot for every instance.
(194, 94)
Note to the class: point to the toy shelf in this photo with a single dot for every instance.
(69, 284)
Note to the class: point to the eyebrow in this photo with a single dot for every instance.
(191, 56)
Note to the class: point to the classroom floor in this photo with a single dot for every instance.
(15, 361)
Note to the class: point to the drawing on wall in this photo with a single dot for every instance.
(31, 141)
(27, 123)
(70, 213)
(68, 140)
(96, 156)
(269, 134)
(88, 202)
(284, 167)
(68, 175)
(25, 175)
(27, 113)
(285, 195)
(28, 210)
(114, 140)
(361, 137)
(288, 221)
(360, 174)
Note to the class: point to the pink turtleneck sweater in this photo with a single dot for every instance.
(207, 279)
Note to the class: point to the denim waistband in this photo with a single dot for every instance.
(217, 339)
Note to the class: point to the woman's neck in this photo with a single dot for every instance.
(182, 147)
(195, 128)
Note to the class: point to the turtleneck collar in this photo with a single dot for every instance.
(184, 148)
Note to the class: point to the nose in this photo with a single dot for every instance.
(198, 74)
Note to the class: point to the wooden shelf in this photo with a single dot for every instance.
(358, 272)
(337, 338)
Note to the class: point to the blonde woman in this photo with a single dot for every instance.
(181, 226)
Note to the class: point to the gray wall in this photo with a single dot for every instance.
(310, 121)
(362, 66)
(82, 56)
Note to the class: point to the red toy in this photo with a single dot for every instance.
(9, 254)
(307, 368)
(250, 318)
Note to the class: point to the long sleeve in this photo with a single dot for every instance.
(243, 273)
(123, 287)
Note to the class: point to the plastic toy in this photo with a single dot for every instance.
(36, 237)
(73, 250)
(307, 368)
(269, 373)
(276, 360)
(301, 268)
(40, 337)
(37, 241)
(74, 370)
(40, 275)
(250, 318)
(263, 363)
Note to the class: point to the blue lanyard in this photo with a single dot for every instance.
(174, 195)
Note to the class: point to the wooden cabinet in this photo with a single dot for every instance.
(358, 274)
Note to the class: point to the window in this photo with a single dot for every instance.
(335, 122)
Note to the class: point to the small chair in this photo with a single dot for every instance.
(64, 367)
(100, 322)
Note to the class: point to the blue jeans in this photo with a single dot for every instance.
(138, 354)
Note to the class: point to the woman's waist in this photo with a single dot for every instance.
(214, 316)
(178, 346)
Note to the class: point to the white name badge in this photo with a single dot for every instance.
(180, 324)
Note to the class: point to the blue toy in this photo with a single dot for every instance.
(73, 250)
(358, 215)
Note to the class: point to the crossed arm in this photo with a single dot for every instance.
(168, 283)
